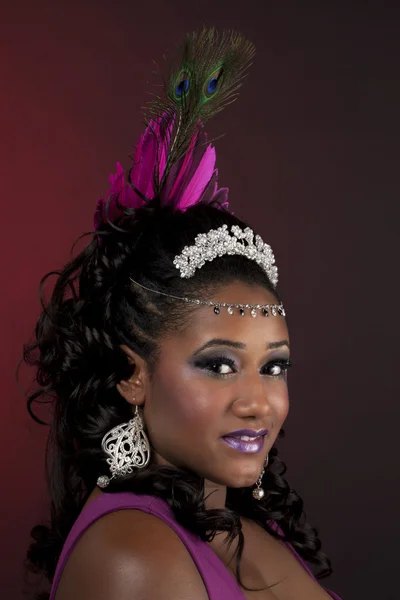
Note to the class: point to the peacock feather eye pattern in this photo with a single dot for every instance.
(213, 83)
(182, 85)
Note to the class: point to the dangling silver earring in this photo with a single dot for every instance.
(258, 492)
(127, 446)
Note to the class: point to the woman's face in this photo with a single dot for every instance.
(200, 394)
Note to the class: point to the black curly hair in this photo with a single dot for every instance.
(93, 309)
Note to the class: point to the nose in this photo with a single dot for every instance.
(253, 400)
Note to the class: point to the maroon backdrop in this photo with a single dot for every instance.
(310, 156)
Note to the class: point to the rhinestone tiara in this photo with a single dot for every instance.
(218, 242)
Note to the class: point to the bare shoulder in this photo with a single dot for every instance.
(130, 554)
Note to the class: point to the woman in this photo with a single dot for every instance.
(165, 348)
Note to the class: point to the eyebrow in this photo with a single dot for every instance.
(238, 345)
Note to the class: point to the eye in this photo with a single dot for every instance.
(217, 365)
(277, 368)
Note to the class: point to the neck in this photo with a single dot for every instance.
(215, 494)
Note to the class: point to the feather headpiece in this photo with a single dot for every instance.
(173, 160)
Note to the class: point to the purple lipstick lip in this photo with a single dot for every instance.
(248, 447)
(248, 432)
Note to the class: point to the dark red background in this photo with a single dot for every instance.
(311, 157)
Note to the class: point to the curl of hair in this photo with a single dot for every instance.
(93, 309)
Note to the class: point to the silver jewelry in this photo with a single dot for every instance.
(258, 492)
(218, 242)
(127, 447)
(267, 309)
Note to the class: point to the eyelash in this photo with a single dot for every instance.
(208, 363)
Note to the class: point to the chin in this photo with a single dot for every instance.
(243, 482)
(236, 479)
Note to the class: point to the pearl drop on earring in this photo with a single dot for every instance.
(258, 492)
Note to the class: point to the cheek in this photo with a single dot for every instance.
(182, 399)
(279, 399)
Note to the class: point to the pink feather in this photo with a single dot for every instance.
(142, 175)
(151, 153)
(163, 131)
(198, 183)
(193, 178)
(182, 170)
(120, 194)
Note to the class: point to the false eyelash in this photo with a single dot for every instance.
(284, 363)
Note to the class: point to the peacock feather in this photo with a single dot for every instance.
(202, 80)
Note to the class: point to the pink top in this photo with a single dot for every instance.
(218, 580)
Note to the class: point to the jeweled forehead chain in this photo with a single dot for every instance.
(219, 242)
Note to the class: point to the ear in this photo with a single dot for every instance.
(134, 388)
